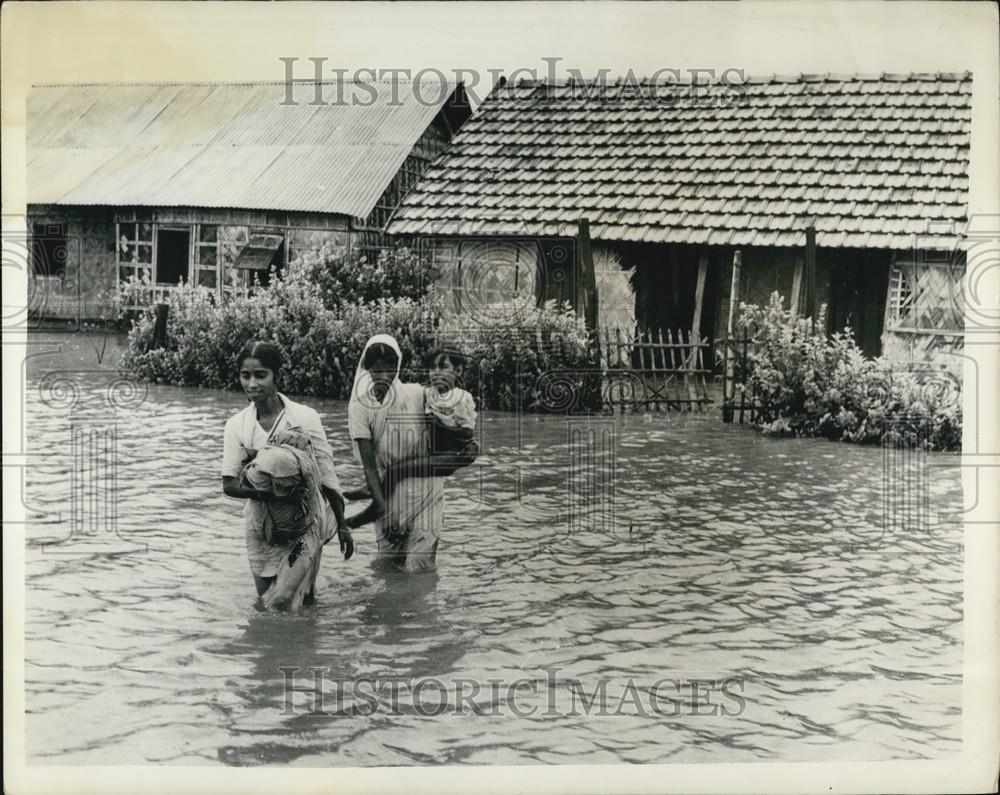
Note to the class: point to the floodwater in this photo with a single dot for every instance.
(758, 581)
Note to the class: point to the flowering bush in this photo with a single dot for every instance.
(528, 358)
(348, 279)
(809, 384)
(514, 352)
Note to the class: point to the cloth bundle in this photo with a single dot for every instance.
(286, 467)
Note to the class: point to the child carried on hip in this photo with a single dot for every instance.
(450, 412)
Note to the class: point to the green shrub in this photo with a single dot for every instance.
(809, 384)
(351, 279)
(528, 358)
(520, 357)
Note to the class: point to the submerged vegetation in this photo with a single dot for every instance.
(804, 382)
(322, 309)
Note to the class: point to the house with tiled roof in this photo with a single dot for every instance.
(212, 182)
(674, 178)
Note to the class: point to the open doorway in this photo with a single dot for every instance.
(172, 255)
(666, 286)
(859, 281)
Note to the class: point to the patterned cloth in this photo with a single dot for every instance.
(294, 562)
(286, 541)
(284, 468)
(456, 408)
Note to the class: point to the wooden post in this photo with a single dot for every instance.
(810, 274)
(695, 339)
(734, 294)
(699, 295)
(587, 276)
(160, 326)
(589, 279)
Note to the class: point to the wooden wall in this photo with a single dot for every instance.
(82, 275)
(82, 289)
(474, 273)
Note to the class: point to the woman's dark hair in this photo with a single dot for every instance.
(379, 352)
(456, 357)
(267, 353)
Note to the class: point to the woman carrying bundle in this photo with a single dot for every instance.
(293, 497)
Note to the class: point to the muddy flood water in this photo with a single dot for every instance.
(640, 589)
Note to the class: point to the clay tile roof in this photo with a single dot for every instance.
(569, 150)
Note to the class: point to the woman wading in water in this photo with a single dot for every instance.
(388, 425)
(385, 419)
(284, 568)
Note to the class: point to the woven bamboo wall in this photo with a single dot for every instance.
(615, 296)
(924, 315)
(475, 274)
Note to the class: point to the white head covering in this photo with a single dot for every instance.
(362, 389)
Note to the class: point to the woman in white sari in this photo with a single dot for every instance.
(387, 425)
(284, 572)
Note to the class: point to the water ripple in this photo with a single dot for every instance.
(721, 555)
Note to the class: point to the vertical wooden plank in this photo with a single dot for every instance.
(687, 358)
(702, 378)
(734, 290)
(587, 276)
(795, 302)
(699, 295)
(730, 352)
(893, 301)
(662, 377)
(640, 347)
(810, 274)
(156, 255)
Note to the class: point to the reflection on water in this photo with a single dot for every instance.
(719, 555)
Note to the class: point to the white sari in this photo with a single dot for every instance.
(398, 431)
(294, 565)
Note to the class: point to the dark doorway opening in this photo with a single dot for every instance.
(665, 281)
(859, 281)
(172, 255)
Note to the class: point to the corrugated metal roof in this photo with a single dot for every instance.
(866, 157)
(225, 144)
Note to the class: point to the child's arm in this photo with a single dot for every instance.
(237, 489)
(429, 465)
(369, 514)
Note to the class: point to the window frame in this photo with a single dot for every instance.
(134, 265)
